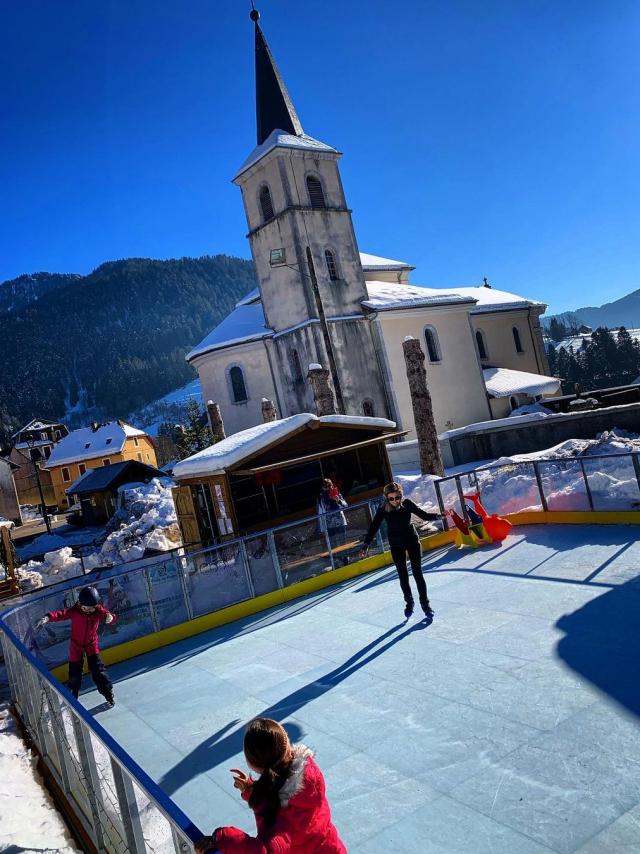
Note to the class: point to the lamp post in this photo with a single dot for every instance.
(34, 453)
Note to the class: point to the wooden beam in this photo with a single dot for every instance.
(328, 453)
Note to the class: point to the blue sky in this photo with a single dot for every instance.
(495, 139)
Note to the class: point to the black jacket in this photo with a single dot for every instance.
(399, 528)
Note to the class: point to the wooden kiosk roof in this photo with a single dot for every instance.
(285, 442)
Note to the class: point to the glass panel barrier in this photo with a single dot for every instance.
(167, 593)
(302, 551)
(448, 490)
(216, 578)
(347, 543)
(511, 488)
(613, 483)
(262, 566)
(564, 485)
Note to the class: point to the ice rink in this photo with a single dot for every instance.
(508, 725)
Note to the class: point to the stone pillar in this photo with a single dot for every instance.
(269, 411)
(215, 422)
(323, 396)
(428, 446)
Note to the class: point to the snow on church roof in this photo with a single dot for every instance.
(232, 450)
(503, 382)
(374, 262)
(386, 296)
(85, 443)
(245, 323)
(281, 139)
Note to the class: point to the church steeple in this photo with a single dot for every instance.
(274, 108)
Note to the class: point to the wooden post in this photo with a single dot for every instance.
(215, 421)
(430, 459)
(269, 411)
(8, 555)
(323, 396)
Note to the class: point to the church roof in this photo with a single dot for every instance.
(370, 263)
(245, 323)
(503, 382)
(389, 296)
(282, 139)
(274, 107)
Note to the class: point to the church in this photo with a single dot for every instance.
(319, 300)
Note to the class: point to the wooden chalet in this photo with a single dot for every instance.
(271, 474)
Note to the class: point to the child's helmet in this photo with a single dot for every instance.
(89, 597)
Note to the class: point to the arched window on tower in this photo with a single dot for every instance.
(433, 345)
(316, 193)
(368, 408)
(332, 267)
(294, 363)
(266, 204)
(517, 341)
(238, 385)
(482, 346)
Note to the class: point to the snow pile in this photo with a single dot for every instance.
(6, 523)
(28, 817)
(57, 566)
(528, 408)
(509, 484)
(146, 520)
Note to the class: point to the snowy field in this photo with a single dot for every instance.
(28, 818)
(510, 724)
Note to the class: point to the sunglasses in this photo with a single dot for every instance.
(394, 498)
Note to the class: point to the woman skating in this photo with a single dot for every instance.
(397, 511)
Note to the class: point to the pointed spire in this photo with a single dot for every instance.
(274, 108)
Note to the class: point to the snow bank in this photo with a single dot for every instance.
(146, 520)
(528, 408)
(28, 817)
(509, 485)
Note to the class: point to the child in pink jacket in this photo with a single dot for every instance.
(86, 615)
(288, 798)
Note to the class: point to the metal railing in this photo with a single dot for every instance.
(591, 483)
(119, 806)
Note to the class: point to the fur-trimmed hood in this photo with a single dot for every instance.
(295, 780)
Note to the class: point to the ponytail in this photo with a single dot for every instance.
(266, 746)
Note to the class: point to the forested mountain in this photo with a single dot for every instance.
(621, 312)
(18, 293)
(105, 344)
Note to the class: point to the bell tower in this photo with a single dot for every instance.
(306, 254)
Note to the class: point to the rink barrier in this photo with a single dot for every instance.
(119, 807)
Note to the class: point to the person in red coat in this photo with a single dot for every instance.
(288, 799)
(86, 615)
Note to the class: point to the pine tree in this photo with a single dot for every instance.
(194, 435)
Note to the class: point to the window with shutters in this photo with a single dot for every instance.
(482, 345)
(238, 385)
(266, 204)
(517, 341)
(332, 267)
(433, 345)
(368, 409)
(316, 193)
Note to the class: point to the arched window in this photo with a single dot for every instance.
(238, 386)
(330, 258)
(433, 345)
(513, 402)
(482, 347)
(294, 363)
(316, 193)
(367, 408)
(517, 341)
(266, 204)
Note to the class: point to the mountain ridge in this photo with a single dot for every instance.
(105, 344)
(624, 311)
